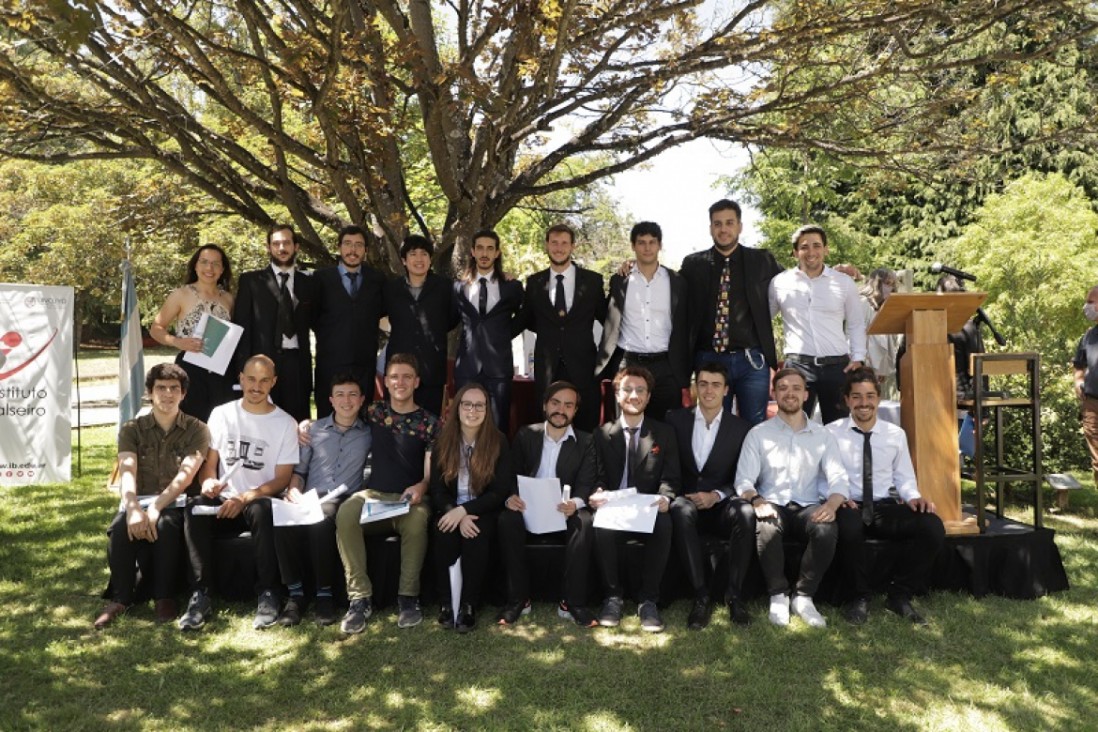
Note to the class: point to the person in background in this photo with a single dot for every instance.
(1086, 378)
(881, 349)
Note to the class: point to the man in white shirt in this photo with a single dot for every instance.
(822, 322)
(777, 473)
(875, 455)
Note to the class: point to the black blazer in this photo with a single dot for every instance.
(569, 339)
(657, 464)
(444, 495)
(419, 327)
(346, 328)
(680, 349)
(719, 471)
(256, 310)
(485, 343)
(759, 268)
(575, 464)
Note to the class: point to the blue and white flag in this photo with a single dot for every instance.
(131, 359)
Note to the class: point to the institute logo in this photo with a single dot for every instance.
(10, 341)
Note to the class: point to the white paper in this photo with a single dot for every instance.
(222, 354)
(636, 512)
(204, 510)
(305, 512)
(455, 586)
(375, 510)
(334, 493)
(541, 496)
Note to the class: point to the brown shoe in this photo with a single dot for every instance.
(108, 614)
(166, 610)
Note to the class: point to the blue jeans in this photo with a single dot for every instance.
(748, 381)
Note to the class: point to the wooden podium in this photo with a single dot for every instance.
(928, 391)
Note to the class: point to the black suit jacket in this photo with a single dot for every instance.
(444, 495)
(657, 469)
(569, 339)
(680, 349)
(485, 344)
(256, 310)
(420, 326)
(346, 327)
(719, 471)
(759, 268)
(575, 463)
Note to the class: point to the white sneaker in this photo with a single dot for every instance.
(779, 610)
(806, 610)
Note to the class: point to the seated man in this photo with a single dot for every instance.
(158, 456)
(253, 451)
(876, 457)
(708, 502)
(779, 465)
(552, 449)
(333, 458)
(402, 434)
(635, 452)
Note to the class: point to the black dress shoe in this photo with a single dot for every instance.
(466, 619)
(699, 614)
(856, 612)
(446, 616)
(737, 612)
(902, 606)
(512, 611)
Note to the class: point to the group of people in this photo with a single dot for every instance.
(742, 477)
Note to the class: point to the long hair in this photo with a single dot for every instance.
(225, 281)
(872, 288)
(482, 463)
(471, 273)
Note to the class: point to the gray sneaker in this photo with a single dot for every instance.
(411, 614)
(267, 611)
(651, 621)
(357, 614)
(198, 611)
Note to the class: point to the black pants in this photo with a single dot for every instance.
(158, 560)
(475, 553)
(825, 383)
(207, 390)
(657, 548)
(731, 519)
(666, 393)
(922, 536)
(202, 530)
(294, 385)
(577, 539)
(797, 522)
(430, 397)
(323, 555)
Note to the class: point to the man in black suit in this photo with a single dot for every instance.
(552, 449)
(710, 442)
(561, 306)
(635, 452)
(421, 313)
(350, 304)
(274, 306)
(489, 307)
(646, 322)
(730, 310)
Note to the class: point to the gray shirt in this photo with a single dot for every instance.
(782, 464)
(335, 456)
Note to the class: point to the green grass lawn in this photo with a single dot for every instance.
(981, 665)
(101, 364)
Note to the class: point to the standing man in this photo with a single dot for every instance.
(779, 465)
(421, 314)
(729, 313)
(552, 449)
(823, 323)
(1086, 378)
(159, 454)
(274, 306)
(253, 448)
(561, 307)
(876, 458)
(646, 322)
(350, 304)
(635, 452)
(489, 306)
(402, 435)
(708, 502)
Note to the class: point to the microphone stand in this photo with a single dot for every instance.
(981, 317)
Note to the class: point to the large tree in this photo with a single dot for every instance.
(338, 111)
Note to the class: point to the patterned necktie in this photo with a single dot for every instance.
(285, 306)
(353, 277)
(483, 298)
(867, 477)
(721, 318)
(631, 455)
(558, 299)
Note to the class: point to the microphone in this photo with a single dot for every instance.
(939, 268)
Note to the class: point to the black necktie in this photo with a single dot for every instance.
(285, 306)
(353, 277)
(558, 299)
(631, 455)
(867, 477)
(483, 296)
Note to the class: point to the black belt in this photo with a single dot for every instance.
(818, 360)
(645, 357)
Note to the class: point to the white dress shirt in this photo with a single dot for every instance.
(550, 453)
(891, 458)
(814, 310)
(472, 291)
(702, 439)
(782, 464)
(569, 285)
(646, 320)
(291, 342)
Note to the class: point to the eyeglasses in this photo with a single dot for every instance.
(638, 390)
(473, 406)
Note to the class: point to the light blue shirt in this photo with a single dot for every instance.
(782, 464)
(334, 456)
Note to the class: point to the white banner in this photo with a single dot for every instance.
(35, 384)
